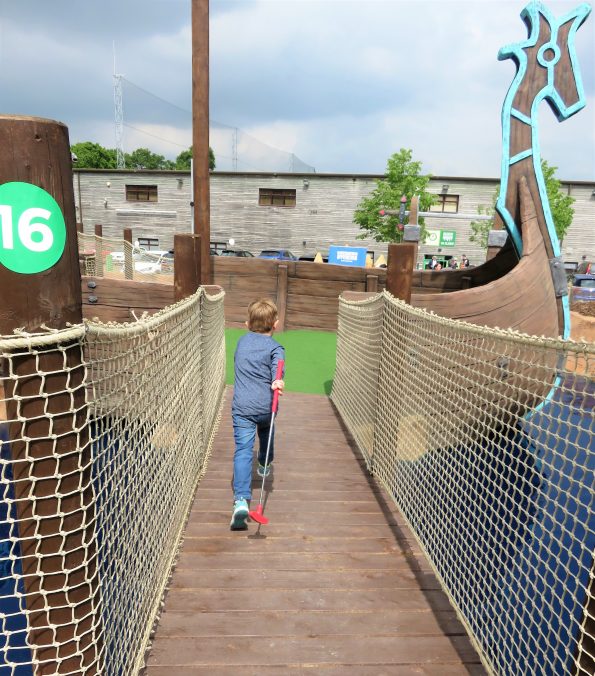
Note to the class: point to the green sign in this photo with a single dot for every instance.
(32, 228)
(440, 237)
(448, 237)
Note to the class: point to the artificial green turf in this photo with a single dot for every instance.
(309, 359)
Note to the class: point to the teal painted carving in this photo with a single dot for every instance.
(547, 69)
(543, 44)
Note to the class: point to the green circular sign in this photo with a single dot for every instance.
(32, 228)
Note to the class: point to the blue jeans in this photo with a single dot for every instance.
(244, 434)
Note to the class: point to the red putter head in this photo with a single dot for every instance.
(258, 516)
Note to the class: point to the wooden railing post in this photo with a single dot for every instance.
(128, 260)
(186, 265)
(47, 432)
(399, 270)
(98, 250)
(372, 283)
(282, 273)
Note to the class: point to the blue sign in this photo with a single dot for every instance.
(354, 256)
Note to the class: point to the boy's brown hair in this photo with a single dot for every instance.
(262, 315)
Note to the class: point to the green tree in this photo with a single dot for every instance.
(560, 202)
(481, 229)
(402, 177)
(560, 206)
(143, 158)
(93, 156)
(183, 159)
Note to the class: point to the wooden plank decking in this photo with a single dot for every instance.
(335, 583)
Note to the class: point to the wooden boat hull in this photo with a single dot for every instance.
(504, 292)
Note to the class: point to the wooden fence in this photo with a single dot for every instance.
(307, 294)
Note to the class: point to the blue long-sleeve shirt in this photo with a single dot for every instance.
(255, 366)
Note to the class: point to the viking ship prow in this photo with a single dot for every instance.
(524, 286)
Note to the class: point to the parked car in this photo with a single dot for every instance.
(583, 288)
(312, 256)
(278, 254)
(241, 253)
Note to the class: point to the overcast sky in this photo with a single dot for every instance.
(341, 83)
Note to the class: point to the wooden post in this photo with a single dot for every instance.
(128, 261)
(98, 250)
(186, 265)
(79, 227)
(412, 230)
(51, 470)
(399, 270)
(200, 132)
(414, 211)
(282, 273)
(372, 283)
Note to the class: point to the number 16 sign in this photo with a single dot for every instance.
(32, 228)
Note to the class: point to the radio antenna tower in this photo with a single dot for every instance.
(119, 116)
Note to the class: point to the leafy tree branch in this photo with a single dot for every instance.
(402, 177)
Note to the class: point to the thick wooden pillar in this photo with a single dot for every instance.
(187, 264)
(399, 270)
(200, 132)
(48, 450)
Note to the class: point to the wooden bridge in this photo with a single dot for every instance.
(334, 584)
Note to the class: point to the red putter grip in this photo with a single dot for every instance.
(278, 376)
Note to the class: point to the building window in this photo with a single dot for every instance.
(272, 197)
(141, 193)
(447, 204)
(148, 243)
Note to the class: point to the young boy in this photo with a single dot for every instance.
(255, 365)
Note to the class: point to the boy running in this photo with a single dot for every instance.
(255, 366)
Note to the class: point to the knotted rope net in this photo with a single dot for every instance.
(105, 431)
(484, 440)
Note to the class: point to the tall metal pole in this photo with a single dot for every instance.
(200, 132)
(119, 116)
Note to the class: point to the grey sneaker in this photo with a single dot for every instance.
(263, 471)
(239, 516)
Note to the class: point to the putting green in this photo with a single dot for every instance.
(309, 357)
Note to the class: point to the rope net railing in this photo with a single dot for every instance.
(105, 431)
(484, 440)
(119, 259)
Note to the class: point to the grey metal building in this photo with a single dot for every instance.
(305, 213)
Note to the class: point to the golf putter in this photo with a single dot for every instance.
(257, 514)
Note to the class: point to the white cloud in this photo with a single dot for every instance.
(340, 83)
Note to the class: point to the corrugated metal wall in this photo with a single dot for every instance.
(323, 214)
